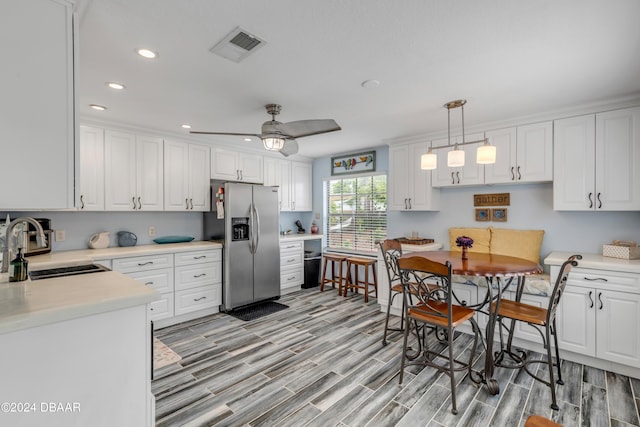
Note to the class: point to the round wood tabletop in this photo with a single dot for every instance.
(479, 264)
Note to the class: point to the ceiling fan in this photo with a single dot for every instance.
(277, 136)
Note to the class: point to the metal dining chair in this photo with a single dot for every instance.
(429, 301)
(542, 320)
(391, 251)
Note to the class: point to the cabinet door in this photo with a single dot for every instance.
(504, 170)
(176, 180)
(149, 173)
(224, 165)
(36, 106)
(443, 175)
(618, 160)
(120, 171)
(301, 178)
(198, 177)
(574, 163)
(618, 327)
(534, 152)
(398, 187)
(277, 173)
(576, 321)
(91, 175)
(251, 168)
(472, 172)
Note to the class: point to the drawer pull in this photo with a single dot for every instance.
(149, 283)
(200, 275)
(291, 278)
(198, 299)
(596, 279)
(199, 257)
(151, 308)
(291, 246)
(140, 264)
(291, 260)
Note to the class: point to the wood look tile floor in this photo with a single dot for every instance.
(321, 363)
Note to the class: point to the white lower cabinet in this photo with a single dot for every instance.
(187, 281)
(291, 266)
(599, 315)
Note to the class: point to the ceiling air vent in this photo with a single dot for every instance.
(237, 45)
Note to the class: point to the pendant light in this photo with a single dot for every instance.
(486, 154)
(429, 161)
(455, 158)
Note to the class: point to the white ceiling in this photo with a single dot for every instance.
(507, 58)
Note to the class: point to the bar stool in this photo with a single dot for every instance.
(359, 284)
(538, 421)
(333, 259)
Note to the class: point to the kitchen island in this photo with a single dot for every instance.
(76, 350)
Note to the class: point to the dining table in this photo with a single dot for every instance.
(500, 271)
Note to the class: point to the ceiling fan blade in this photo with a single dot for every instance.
(302, 128)
(224, 133)
(290, 147)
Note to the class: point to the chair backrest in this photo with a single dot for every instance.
(561, 283)
(391, 251)
(427, 284)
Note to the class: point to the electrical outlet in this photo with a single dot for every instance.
(152, 231)
(60, 235)
(317, 215)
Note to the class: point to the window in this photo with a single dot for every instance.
(356, 213)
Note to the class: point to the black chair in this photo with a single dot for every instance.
(391, 251)
(428, 283)
(542, 320)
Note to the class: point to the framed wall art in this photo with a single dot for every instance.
(499, 214)
(354, 163)
(483, 214)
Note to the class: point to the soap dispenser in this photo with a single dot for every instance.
(18, 268)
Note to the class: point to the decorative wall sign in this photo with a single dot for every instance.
(483, 214)
(497, 199)
(499, 214)
(354, 163)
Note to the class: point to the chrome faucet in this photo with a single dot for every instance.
(7, 254)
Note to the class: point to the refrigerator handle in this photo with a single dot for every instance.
(257, 234)
(252, 246)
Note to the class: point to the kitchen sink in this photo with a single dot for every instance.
(72, 270)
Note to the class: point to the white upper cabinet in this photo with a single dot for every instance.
(597, 161)
(133, 172)
(91, 169)
(36, 106)
(523, 154)
(301, 186)
(277, 173)
(186, 176)
(230, 165)
(409, 185)
(469, 174)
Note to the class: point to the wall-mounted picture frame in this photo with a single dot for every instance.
(353, 163)
(499, 214)
(483, 214)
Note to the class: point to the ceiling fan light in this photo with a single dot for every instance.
(273, 142)
(486, 154)
(429, 161)
(455, 158)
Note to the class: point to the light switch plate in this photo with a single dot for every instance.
(61, 235)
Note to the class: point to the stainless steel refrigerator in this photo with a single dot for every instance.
(250, 230)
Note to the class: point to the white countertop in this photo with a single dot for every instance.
(305, 236)
(34, 303)
(595, 261)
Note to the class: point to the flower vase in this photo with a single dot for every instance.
(464, 253)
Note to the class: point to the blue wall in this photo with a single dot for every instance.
(531, 208)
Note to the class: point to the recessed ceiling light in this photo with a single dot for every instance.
(149, 54)
(98, 107)
(116, 86)
(370, 83)
(186, 126)
(248, 140)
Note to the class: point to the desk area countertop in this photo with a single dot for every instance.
(596, 261)
(29, 304)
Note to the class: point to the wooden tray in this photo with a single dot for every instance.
(414, 240)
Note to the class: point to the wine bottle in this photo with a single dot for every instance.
(18, 268)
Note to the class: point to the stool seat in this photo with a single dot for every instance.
(333, 259)
(353, 281)
(538, 421)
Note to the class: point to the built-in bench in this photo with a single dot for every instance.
(503, 241)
